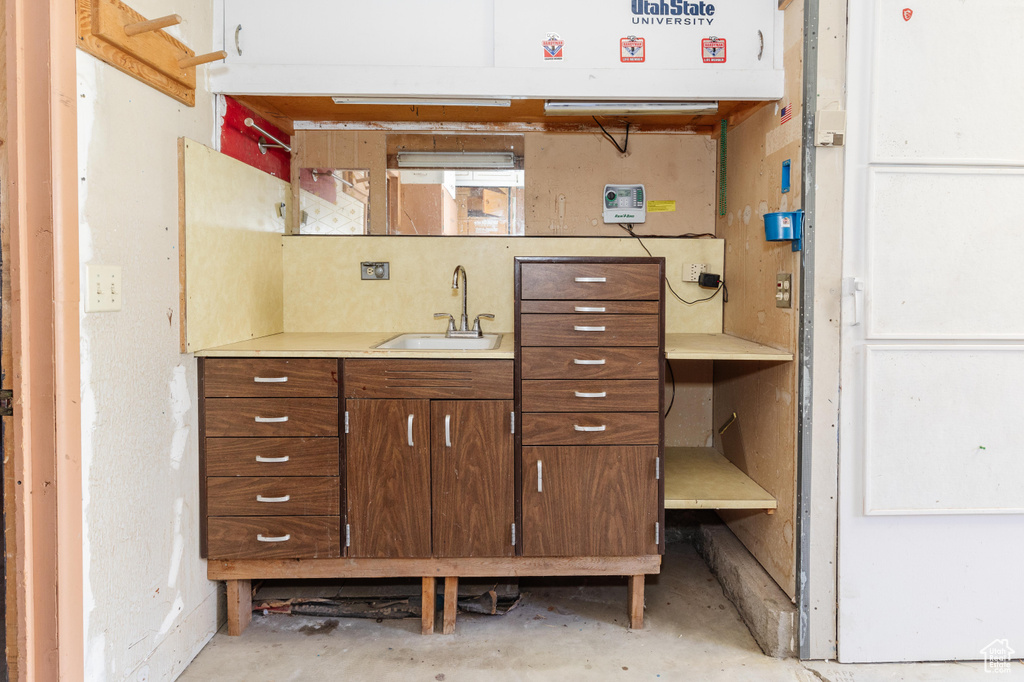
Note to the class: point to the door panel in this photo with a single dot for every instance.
(473, 504)
(589, 501)
(389, 479)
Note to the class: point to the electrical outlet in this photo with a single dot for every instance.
(102, 288)
(371, 270)
(693, 271)
(783, 290)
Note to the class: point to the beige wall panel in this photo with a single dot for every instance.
(762, 443)
(323, 291)
(566, 174)
(689, 423)
(233, 280)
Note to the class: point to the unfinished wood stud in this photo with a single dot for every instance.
(239, 606)
(152, 25)
(636, 602)
(428, 596)
(451, 604)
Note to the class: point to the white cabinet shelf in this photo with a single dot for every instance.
(701, 478)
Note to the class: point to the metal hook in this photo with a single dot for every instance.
(263, 144)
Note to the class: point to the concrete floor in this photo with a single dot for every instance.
(562, 630)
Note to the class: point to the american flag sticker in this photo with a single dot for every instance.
(786, 114)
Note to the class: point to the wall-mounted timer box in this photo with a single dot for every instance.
(625, 204)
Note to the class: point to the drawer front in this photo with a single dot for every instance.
(591, 281)
(439, 379)
(272, 496)
(591, 307)
(272, 456)
(275, 537)
(270, 377)
(258, 417)
(590, 363)
(591, 428)
(590, 396)
(590, 330)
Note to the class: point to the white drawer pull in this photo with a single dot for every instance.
(270, 380)
(588, 329)
(285, 498)
(592, 279)
(279, 538)
(581, 394)
(587, 362)
(271, 420)
(540, 476)
(409, 431)
(589, 309)
(272, 460)
(602, 427)
(447, 430)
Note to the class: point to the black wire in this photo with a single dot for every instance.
(668, 364)
(721, 287)
(625, 144)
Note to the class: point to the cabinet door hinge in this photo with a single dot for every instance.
(348, 535)
(513, 415)
(346, 421)
(657, 468)
(6, 403)
(513, 535)
(657, 533)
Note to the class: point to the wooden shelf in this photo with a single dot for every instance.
(701, 478)
(720, 347)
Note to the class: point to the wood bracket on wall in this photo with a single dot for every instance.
(118, 35)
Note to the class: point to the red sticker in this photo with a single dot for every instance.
(907, 13)
(553, 45)
(631, 49)
(713, 50)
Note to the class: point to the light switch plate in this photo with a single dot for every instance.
(102, 288)
(783, 290)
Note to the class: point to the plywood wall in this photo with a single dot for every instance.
(762, 442)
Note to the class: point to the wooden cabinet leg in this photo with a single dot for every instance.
(239, 606)
(636, 602)
(451, 604)
(429, 596)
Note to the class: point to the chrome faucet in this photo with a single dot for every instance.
(463, 331)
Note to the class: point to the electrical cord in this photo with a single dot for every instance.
(721, 287)
(672, 374)
(625, 144)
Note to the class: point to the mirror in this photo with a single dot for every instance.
(334, 200)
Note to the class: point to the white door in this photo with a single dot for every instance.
(931, 521)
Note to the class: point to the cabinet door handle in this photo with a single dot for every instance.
(589, 309)
(592, 279)
(581, 394)
(409, 431)
(272, 460)
(279, 538)
(270, 380)
(540, 476)
(285, 498)
(587, 329)
(577, 361)
(602, 427)
(447, 430)
(271, 420)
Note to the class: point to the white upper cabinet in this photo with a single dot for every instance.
(621, 49)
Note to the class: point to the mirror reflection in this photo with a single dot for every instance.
(334, 200)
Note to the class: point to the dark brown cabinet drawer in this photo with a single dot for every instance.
(275, 537)
(429, 379)
(591, 428)
(590, 396)
(272, 496)
(270, 377)
(272, 456)
(259, 417)
(591, 307)
(590, 330)
(590, 363)
(591, 281)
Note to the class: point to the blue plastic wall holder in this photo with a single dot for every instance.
(785, 226)
(785, 176)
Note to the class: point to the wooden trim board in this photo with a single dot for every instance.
(702, 478)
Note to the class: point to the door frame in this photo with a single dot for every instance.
(43, 500)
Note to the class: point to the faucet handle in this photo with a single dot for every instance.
(451, 320)
(476, 322)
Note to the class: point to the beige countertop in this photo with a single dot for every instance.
(361, 345)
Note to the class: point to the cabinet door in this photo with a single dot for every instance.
(472, 464)
(589, 501)
(388, 467)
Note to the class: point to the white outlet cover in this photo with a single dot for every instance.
(102, 288)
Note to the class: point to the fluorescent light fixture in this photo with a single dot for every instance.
(636, 108)
(425, 101)
(456, 160)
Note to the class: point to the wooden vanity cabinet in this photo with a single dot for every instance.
(430, 458)
(590, 376)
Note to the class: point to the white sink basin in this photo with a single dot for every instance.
(439, 342)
